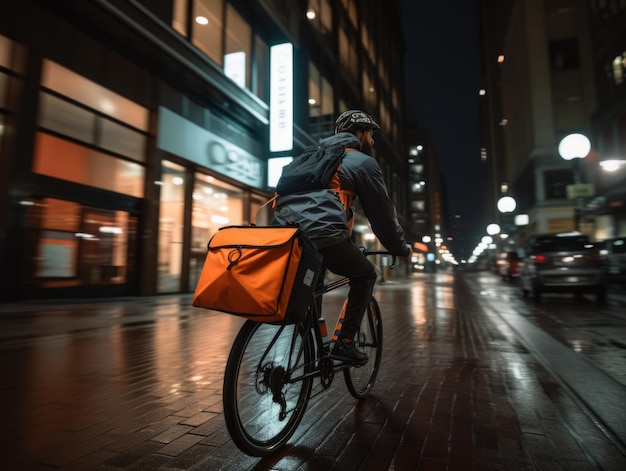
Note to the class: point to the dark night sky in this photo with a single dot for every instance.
(442, 80)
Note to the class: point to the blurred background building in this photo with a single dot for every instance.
(426, 201)
(130, 131)
(552, 68)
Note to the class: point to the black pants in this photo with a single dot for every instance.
(346, 259)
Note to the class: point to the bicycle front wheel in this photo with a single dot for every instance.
(267, 384)
(369, 338)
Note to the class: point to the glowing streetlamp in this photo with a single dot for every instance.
(575, 147)
(506, 204)
(493, 229)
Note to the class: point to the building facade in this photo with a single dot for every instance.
(130, 131)
(553, 68)
(608, 121)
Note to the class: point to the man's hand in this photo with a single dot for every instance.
(405, 256)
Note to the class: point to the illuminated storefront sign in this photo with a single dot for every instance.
(281, 97)
(192, 142)
(275, 169)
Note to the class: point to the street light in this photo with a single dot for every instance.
(506, 204)
(612, 165)
(493, 229)
(575, 147)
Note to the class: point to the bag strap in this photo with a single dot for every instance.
(271, 201)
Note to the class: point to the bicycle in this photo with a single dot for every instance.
(270, 371)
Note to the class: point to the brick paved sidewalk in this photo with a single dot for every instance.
(137, 386)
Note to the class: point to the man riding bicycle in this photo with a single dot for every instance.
(327, 217)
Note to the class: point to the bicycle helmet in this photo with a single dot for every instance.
(354, 120)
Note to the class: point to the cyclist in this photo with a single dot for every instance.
(327, 217)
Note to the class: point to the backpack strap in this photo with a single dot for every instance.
(345, 196)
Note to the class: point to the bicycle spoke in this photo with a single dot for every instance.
(262, 403)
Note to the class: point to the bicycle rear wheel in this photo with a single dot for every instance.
(369, 338)
(265, 393)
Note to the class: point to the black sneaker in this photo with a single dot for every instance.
(348, 352)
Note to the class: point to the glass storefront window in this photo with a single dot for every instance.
(215, 204)
(66, 160)
(323, 19)
(369, 90)
(207, 27)
(262, 73)
(171, 223)
(5, 46)
(238, 53)
(315, 91)
(66, 118)
(4, 90)
(122, 140)
(80, 245)
(350, 7)
(12, 55)
(220, 32)
(74, 121)
(78, 88)
(179, 16)
(320, 93)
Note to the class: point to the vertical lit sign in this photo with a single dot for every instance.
(281, 97)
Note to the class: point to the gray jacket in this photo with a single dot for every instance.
(321, 214)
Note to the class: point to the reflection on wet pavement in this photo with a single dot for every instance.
(137, 384)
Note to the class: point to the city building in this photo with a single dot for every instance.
(539, 89)
(608, 121)
(426, 199)
(554, 68)
(131, 130)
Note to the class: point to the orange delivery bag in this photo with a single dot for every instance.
(266, 274)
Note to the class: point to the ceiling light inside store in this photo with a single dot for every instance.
(202, 20)
(310, 15)
(107, 107)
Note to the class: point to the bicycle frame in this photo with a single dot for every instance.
(311, 322)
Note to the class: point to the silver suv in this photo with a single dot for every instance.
(566, 262)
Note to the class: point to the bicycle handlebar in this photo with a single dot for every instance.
(381, 252)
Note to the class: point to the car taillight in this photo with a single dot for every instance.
(598, 256)
(540, 259)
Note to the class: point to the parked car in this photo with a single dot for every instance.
(614, 258)
(508, 265)
(566, 262)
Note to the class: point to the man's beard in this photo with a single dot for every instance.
(368, 149)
